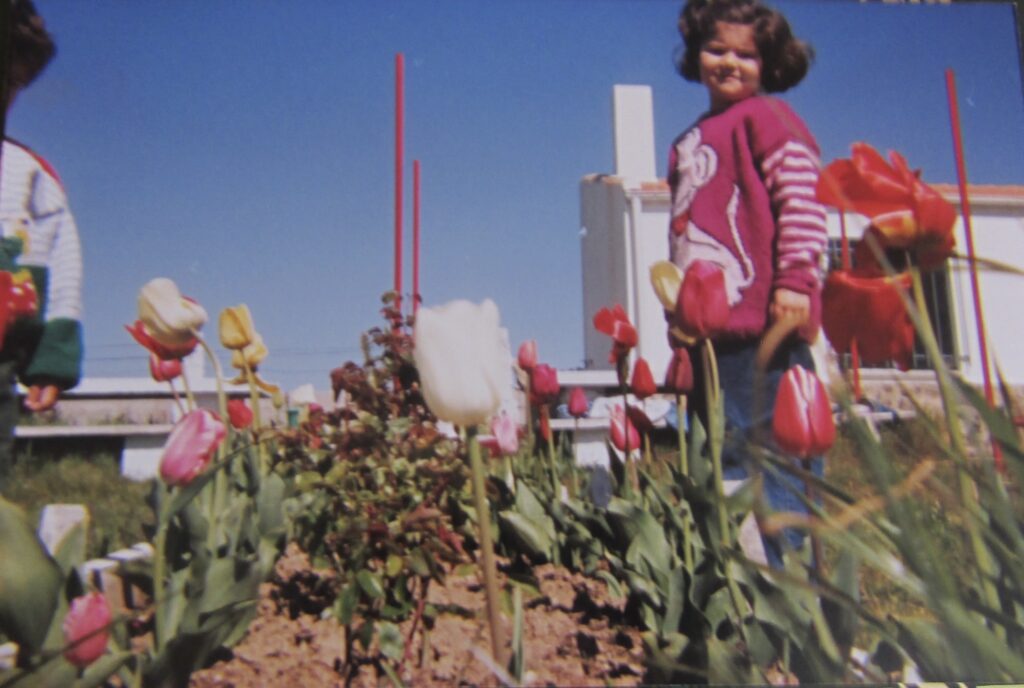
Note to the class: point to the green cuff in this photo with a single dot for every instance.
(58, 357)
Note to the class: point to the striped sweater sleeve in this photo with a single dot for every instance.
(791, 175)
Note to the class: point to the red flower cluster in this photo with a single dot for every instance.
(18, 299)
(615, 323)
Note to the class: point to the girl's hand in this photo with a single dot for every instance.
(42, 398)
(788, 304)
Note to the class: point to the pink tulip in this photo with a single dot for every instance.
(506, 434)
(578, 404)
(544, 386)
(164, 369)
(85, 629)
(141, 335)
(679, 377)
(622, 429)
(528, 355)
(190, 446)
(642, 383)
(802, 422)
(702, 306)
(239, 414)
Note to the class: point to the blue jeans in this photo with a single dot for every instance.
(748, 423)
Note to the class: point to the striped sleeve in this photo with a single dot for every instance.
(791, 175)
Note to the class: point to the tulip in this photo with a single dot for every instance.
(578, 404)
(527, 357)
(85, 629)
(138, 331)
(462, 360)
(623, 430)
(544, 386)
(802, 422)
(190, 446)
(702, 307)
(239, 414)
(666, 278)
(169, 318)
(871, 311)
(642, 382)
(639, 419)
(164, 369)
(905, 212)
(251, 355)
(236, 328)
(505, 434)
(615, 323)
(679, 376)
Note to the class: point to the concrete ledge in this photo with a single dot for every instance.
(111, 430)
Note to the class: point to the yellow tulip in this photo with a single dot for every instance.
(251, 355)
(666, 279)
(236, 329)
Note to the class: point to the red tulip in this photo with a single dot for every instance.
(239, 414)
(615, 323)
(543, 384)
(190, 446)
(578, 404)
(906, 212)
(869, 310)
(164, 369)
(527, 357)
(642, 382)
(639, 419)
(85, 629)
(622, 429)
(702, 306)
(138, 331)
(803, 423)
(679, 377)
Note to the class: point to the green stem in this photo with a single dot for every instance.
(189, 397)
(257, 419)
(220, 481)
(684, 459)
(490, 573)
(968, 490)
(633, 478)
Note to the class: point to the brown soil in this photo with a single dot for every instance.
(573, 636)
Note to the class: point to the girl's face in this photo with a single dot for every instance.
(730, 65)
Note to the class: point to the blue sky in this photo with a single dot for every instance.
(245, 148)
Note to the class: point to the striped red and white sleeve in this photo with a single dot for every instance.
(791, 175)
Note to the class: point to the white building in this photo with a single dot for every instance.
(624, 220)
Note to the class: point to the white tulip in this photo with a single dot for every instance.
(169, 318)
(462, 359)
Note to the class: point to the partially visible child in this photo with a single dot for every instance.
(743, 197)
(39, 247)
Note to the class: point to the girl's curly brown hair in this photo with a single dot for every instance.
(785, 59)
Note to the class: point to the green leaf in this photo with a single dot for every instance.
(70, 551)
(30, 580)
(394, 565)
(103, 668)
(392, 644)
(364, 634)
(533, 539)
(370, 584)
(345, 604)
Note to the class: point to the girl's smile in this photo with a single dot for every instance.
(730, 64)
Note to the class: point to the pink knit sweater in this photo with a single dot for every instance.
(743, 196)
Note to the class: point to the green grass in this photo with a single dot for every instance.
(83, 473)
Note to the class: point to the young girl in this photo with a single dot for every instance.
(743, 197)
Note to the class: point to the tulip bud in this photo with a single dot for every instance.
(462, 359)
(236, 328)
(578, 404)
(168, 317)
(544, 386)
(85, 629)
(164, 369)
(190, 446)
(703, 305)
(679, 377)
(802, 422)
(666, 278)
(642, 383)
(239, 414)
(623, 430)
(527, 357)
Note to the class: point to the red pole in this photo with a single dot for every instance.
(399, 142)
(415, 236)
(965, 208)
(854, 357)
